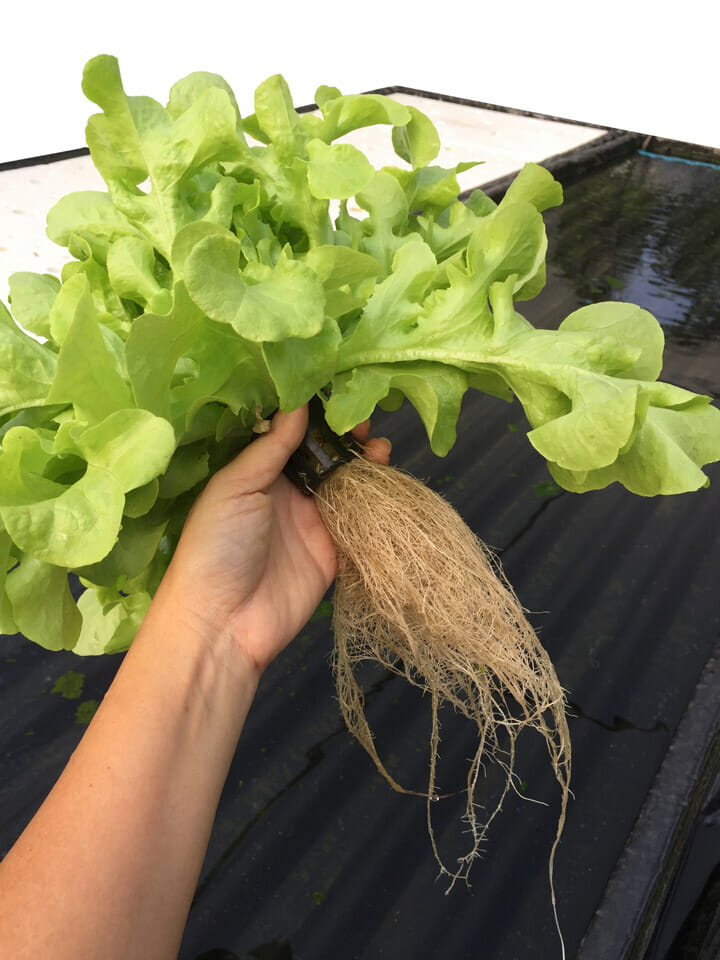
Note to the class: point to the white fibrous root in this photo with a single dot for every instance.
(420, 594)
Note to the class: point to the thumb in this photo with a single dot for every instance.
(262, 461)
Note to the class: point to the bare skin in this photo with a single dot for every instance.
(108, 865)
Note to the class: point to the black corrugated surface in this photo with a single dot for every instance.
(312, 855)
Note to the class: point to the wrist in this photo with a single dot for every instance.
(198, 653)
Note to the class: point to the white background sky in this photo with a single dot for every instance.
(645, 66)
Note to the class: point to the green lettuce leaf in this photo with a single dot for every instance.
(89, 215)
(87, 373)
(137, 543)
(580, 385)
(261, 303)
(31, 298)
(430, 189)
(416, 142)
(7, 562)
(77, 523)
(27, 368)
(135, 139)
(434, 389)
(343, 114)
(154, 347)
(109, 621)
(301, 367)
(348, 277)
(276, 119)
(131, 272)
(677, 435)
(53, 623)
(339, 170)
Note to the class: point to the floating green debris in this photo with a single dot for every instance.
(323, 611)
(547, 489)
(70, 685)
(86, 711)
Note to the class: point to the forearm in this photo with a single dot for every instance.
(109, 864)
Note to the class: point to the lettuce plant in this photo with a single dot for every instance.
(210, 285)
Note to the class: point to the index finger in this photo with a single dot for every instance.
(362, 432)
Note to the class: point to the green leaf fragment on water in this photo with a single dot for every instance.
(70, 685)
(323, 611)
(86, 711)
(547, 489)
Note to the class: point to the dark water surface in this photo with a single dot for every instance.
(313, 856)
(646, 230)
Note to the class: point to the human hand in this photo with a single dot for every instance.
(254, 559)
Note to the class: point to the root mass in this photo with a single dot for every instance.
(419, 593)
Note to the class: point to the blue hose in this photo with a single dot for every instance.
(694, 163)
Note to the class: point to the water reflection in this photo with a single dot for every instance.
(645, 230)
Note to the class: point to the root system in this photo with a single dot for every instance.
(419, 593)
